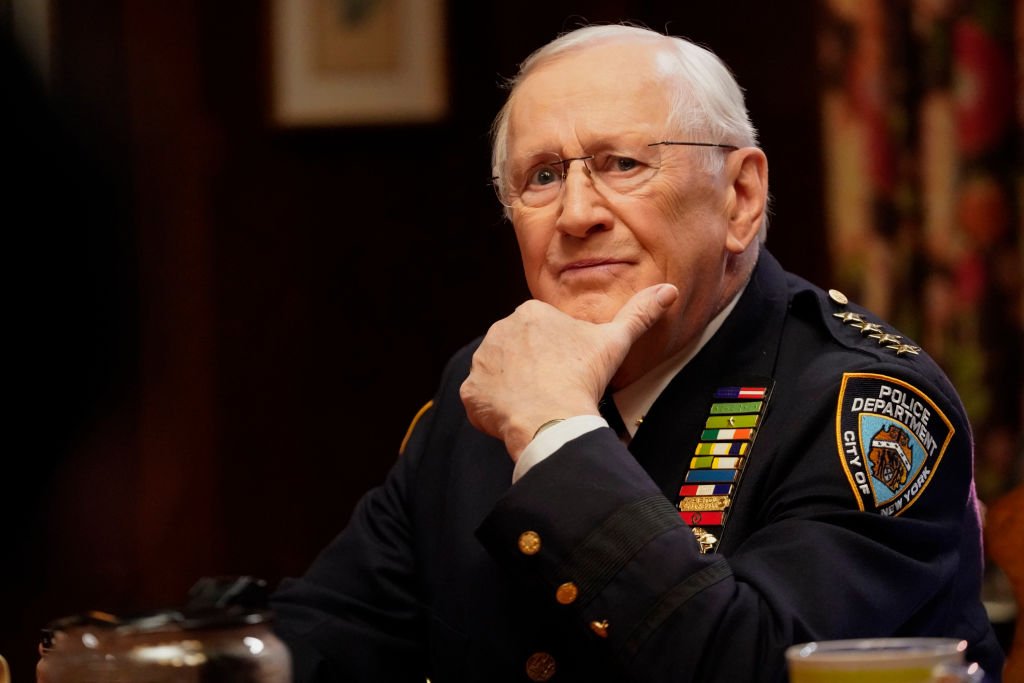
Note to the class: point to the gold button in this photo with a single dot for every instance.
(600, 628)
(566, 593)
(529, 543)
(540, 667)
(838, 297)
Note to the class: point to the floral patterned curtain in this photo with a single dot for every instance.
(923, 113)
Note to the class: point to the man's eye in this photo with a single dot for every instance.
(623, 164)
(543, 175)
(617, 164)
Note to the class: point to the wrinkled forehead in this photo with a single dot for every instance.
(592, 95)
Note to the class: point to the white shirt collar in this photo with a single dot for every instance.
(635, 400)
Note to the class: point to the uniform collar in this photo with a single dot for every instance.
(634, 400)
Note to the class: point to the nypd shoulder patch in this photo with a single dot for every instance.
(891, 438)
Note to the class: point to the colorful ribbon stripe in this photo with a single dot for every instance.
(702, 518)
(718, 460)
(741, 392)
(705, 490)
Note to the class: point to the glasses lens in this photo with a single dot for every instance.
(537, 181)
(625, 170)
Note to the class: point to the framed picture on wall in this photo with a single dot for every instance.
(357, 62)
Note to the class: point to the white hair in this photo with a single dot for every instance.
(706, 100)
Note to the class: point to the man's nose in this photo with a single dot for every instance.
(583, 209)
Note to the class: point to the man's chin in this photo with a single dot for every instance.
(591, 311)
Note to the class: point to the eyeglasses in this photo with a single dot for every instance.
(538, 180)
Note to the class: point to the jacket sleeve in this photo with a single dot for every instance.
(356, 614)
(618, 557)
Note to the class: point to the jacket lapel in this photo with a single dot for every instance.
(746, 345)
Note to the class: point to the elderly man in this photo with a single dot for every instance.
(781, 466)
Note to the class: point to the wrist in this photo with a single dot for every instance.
(549, 423)
(518, 434)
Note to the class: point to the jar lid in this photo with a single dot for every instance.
(213, 602)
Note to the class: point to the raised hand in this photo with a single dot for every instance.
(540, 364)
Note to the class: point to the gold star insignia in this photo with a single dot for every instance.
(868, 328)
(848, 317)
(887, 338)
(901, 349)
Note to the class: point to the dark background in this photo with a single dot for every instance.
(222, 328)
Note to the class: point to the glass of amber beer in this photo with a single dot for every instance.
(881, 660)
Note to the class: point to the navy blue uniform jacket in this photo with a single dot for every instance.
(428, 579)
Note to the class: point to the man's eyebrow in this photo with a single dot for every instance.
(528, 159)
(601, 142)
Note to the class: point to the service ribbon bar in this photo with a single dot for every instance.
(721, 448)
(705, 490)
(731, 421)
(714, 463)
(711, 476)
(710, 519)
(727, 435)
(742, 392)
(716, 466)
(702, 503)
(736, 408)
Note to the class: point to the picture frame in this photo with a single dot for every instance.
(357, 62)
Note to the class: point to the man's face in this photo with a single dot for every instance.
(590, 250)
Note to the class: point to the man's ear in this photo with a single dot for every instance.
(747, 172)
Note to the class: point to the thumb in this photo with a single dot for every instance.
(645, 308)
